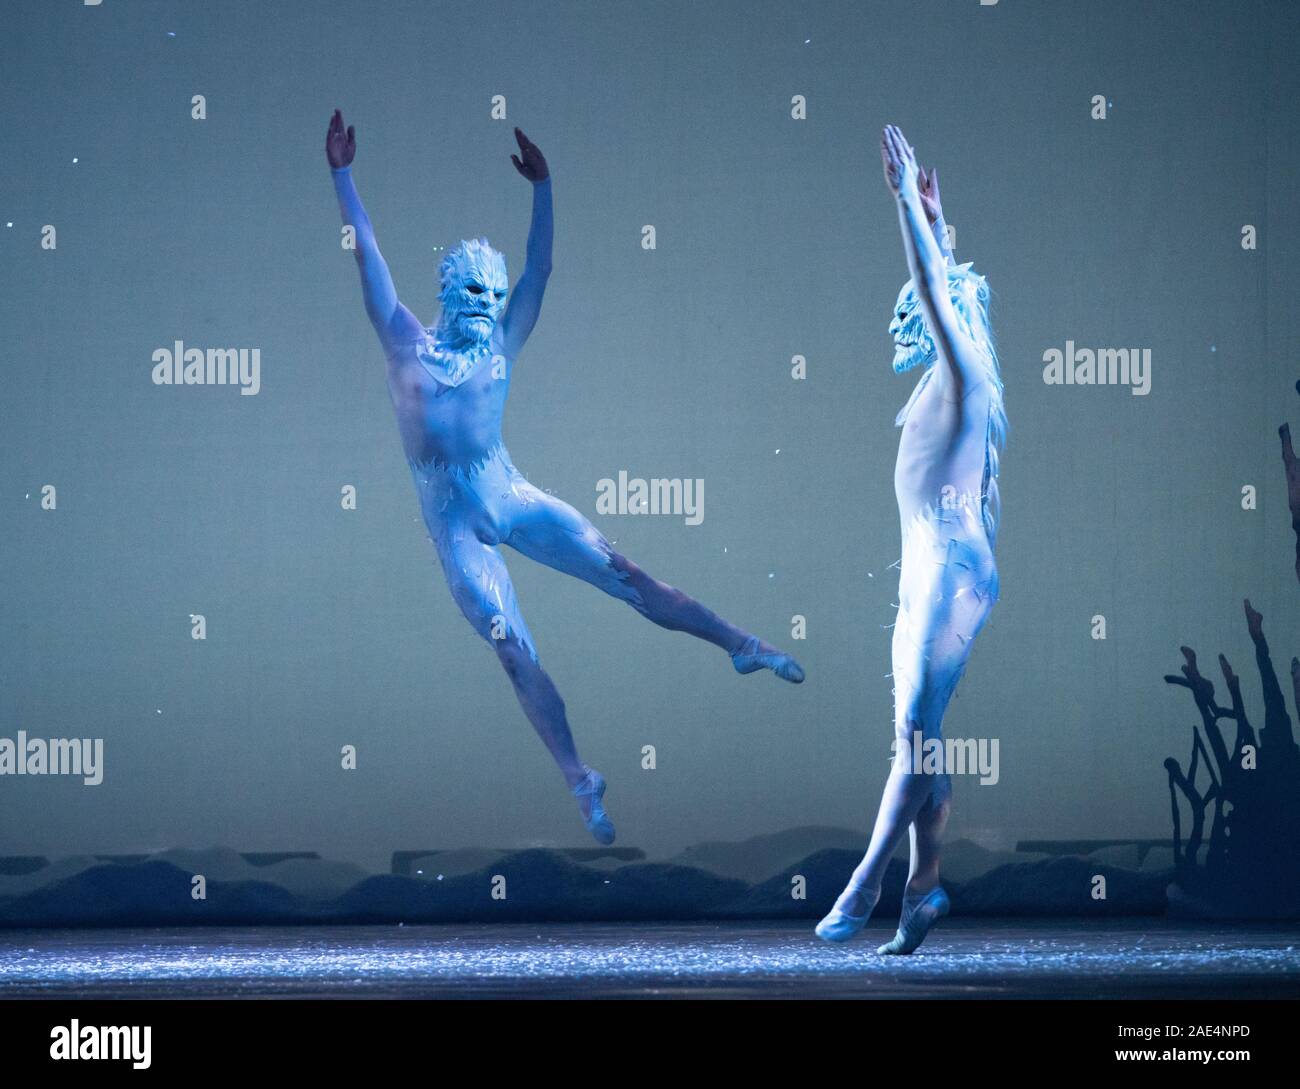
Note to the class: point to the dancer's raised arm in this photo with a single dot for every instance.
(392, 321)
(928, 187)
(526, 301)
(960, 367)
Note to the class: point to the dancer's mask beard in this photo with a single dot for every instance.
(474, 288)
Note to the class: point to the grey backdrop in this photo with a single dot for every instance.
(776, 237)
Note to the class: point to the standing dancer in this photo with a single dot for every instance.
(946, 481)
(448, 384)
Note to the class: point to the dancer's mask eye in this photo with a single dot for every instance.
(473, 285)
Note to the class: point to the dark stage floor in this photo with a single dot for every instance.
(965, 958)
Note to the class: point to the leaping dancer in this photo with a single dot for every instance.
(448, 384)
(946, 482)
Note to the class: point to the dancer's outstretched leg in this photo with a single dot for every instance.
(481, 586)
(670, 608)
(553, 533)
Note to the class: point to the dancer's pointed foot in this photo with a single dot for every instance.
(920, 913)
(754, 655)
(839, 925)
(589, 791)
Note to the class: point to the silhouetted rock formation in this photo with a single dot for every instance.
(551, 885)
(1062, 887)
(466, 860)
(148, 894)
(760, 857)
(19, 865)
(823, 878)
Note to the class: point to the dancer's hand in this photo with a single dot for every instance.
(899, 161)
(340, 146)
(530, 162)
(928, 187)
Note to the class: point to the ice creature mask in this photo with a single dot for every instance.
(474, 287)
(913, 344)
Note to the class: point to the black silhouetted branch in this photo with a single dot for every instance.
(1185, 856)
(1253, 861)
(1245, 732)
(1277, 723)
(1292, 467)
(1211, 712)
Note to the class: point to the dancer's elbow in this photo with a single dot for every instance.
(930, 279)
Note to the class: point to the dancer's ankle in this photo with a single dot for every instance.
(921, 885)
(756, 654)
(857, 902)
(745, 644)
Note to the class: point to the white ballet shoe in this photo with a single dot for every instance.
(598, 823)
(749, 659)
(840, 926)
(920, 913)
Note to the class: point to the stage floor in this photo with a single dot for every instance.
(964, 958)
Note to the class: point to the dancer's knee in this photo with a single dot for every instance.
(516, 659)
(939, 804)
(911, 727)
(636, 587)
(920, 755)
(928, 827)
(635, 576)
